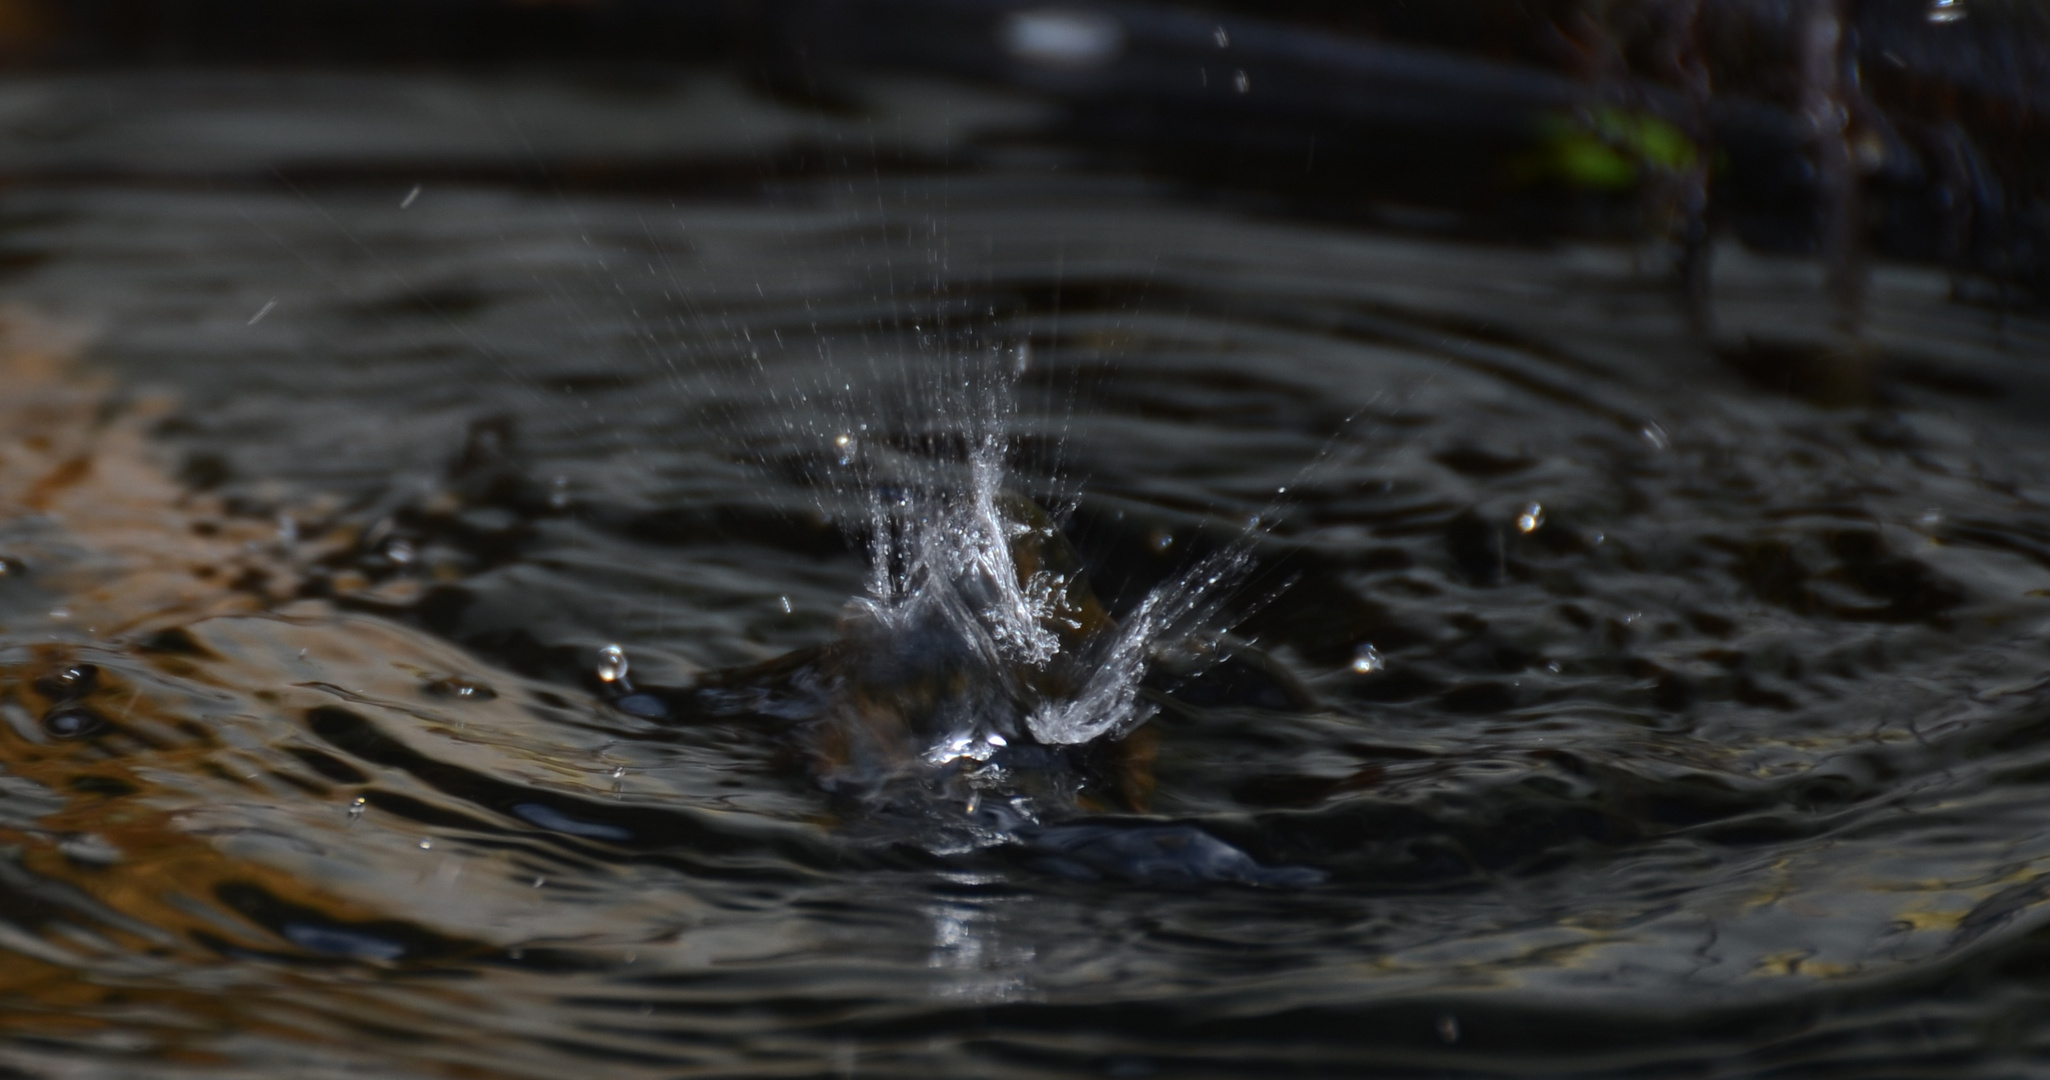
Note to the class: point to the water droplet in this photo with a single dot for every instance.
(261, 312)
(288, 530)
(540, 881)
(11, 567)
(1946, 11)
(1367, 660)
(1161, 539)
(1931, 518)
(612, 665)
(1554, 666)
(407, 202)
(69, 683)
(1532, 518)
(619, 773)
(1222, 39)
(426, 845)
(357, 805)
(1448, 1028)
(1656, 436)
(60, 612)
(1240, 82)
(786, 604)
(399, 551)
(72, 722)
(558, 494)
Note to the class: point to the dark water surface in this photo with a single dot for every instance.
(1704, 731)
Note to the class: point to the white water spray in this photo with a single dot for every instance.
(963, 566)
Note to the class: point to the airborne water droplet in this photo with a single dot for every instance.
(1367, 660)
(612, 666)
(356, 806)
(1532, 518)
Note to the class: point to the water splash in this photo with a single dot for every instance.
(978, 629)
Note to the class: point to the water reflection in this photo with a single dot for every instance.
(1621, 695)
